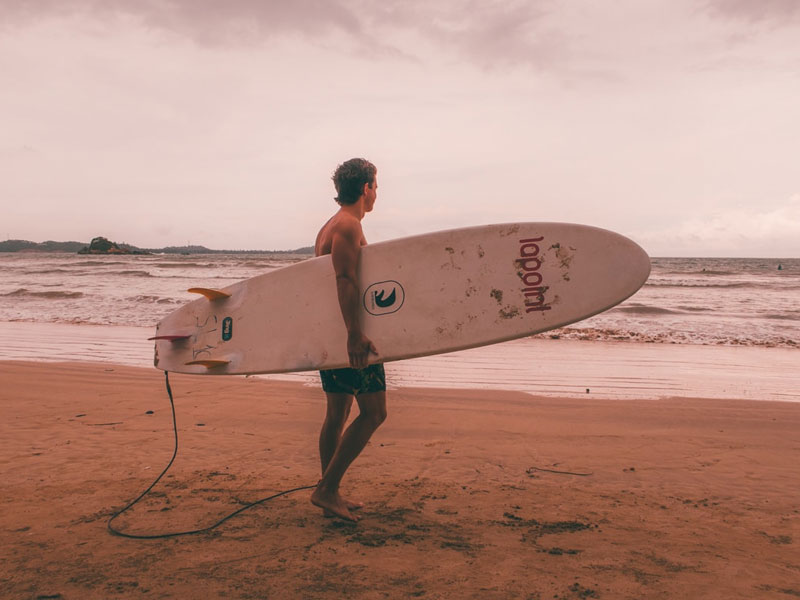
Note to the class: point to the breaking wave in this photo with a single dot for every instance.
(673, 284)
(641, 309)
(783, 316)
(186, 265)
(48, 271)
(597, 334)
(130, 273)
(701, 272)
(94, 263)
(145, 299)
(24, 293)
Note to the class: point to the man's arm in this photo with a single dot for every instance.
(345, 250)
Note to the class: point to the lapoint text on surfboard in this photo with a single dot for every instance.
(530, 263)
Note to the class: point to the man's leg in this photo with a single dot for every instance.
(335, 418)
(372, 413)
(331, 434)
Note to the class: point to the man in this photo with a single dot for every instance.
(357, 187)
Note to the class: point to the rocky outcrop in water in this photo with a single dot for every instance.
(101, 245)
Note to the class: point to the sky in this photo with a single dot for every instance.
(171, 122)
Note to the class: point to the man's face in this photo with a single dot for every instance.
(371, 194)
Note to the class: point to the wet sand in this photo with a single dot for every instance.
(671, 498)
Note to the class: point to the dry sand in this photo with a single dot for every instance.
(685, 498)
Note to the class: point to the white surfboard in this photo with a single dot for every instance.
(420, 295)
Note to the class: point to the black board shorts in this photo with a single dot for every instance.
(354, 381)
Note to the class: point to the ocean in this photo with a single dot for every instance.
(697, 302)
(727, 301)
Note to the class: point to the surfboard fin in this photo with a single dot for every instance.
(172, 338)
(209, 363)
(210, 294)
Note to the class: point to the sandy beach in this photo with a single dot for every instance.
(671, 498)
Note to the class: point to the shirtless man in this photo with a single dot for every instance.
(341, 237)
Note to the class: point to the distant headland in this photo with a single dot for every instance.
(101, 246)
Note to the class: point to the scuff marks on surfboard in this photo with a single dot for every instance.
(509, 312)
(564, 255)
(470, 289)
(451, 259)
(513, 230)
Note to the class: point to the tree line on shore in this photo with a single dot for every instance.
(101, 245)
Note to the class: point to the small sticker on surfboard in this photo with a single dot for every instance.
(227, 329)
(384, 297)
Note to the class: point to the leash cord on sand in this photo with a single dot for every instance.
(116, 531)
(559, 472)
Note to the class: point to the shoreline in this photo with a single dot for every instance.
(682, 497)
(538, 366)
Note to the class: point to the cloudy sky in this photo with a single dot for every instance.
(161, 122)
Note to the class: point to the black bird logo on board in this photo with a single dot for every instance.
(385, 303)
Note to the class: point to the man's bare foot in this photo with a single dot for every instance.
(350, 504)
(333, 503)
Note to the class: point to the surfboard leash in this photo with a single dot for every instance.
(531, 469)
(114, 531)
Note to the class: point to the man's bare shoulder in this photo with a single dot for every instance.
(345, 223)
(343, 226)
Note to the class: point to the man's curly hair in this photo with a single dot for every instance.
(350, 177)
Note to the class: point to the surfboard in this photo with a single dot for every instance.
(420, 295)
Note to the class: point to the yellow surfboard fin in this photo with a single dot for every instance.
(178, 337)
(209, 363)
(210, 294)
